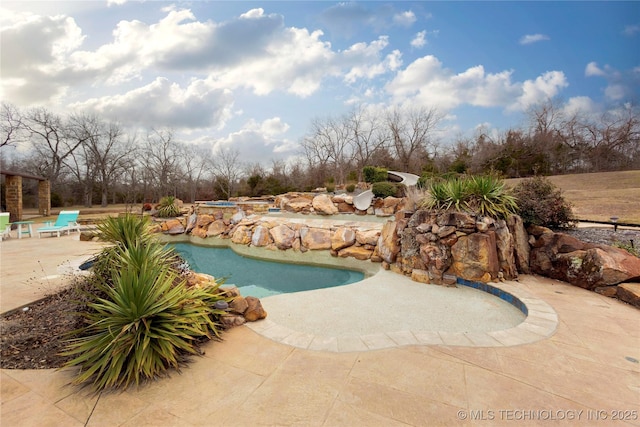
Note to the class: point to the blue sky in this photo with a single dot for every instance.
(252, 75)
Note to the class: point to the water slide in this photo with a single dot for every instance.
(363, 200)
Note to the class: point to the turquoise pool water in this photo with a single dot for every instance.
(261, 278)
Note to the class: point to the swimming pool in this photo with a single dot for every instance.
(261, 278)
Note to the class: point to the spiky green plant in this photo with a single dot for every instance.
(144, 324)
(167, 207)
(484, 195)
(488, 195)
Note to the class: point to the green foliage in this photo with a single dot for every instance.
(629, 247)
(352, 176)
(373, 174)
(167, 208)
(540, 202)
(330, 188)
(488, 195)
(384, 189)
(144, 326)
(142, 319)
(483, 195)
(350, 188)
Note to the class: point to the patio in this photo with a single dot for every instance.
(587, 372)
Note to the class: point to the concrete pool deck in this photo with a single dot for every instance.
(585, 373)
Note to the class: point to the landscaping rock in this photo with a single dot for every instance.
(261, 236)
(342, 237)
(388, 242)
(282, 236)
(630, 293)
(315, 238)
(254, 311)
(474, 257)
(357, 252)
(323, 205)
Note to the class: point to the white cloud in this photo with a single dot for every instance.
(592, 69)
(620, 85)
(427, 82)
(631, 30)
(579, 105)
(533, 38)
(259, 141)
(405, 19)
(115, 2)
(196, 106)
(419, 40)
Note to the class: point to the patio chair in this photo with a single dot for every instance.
(5, 227)
(66, 221)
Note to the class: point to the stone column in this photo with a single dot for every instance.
(13, 197)
(44, 197)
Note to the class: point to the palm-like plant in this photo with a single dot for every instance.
(167, 207)
(142, 319)
(484, 195)
(488, 195)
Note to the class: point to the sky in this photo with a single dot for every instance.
(251, 76)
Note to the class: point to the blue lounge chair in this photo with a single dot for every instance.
(5, 227)
(66, 221)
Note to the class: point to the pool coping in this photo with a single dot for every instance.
(540, 323)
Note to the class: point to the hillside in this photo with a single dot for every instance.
(599, 196)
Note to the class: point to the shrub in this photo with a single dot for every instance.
(330, 188)
(373, 174)
(384, 189)
(350, 188)
(540, 202)
(167, 207)
(141, 318)
(483, 195)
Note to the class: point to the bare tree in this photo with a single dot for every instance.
(411, 132)
(228, 170)
(193, 161)
(159, 161)
(367, 136)
(11, 125)
(49, 137)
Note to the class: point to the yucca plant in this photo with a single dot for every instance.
(145, 323)
(488, 195)
(167, 207)
(484, 195)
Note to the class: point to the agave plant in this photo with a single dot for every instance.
(488, 195)
(144, 324)
(484, 195)
(167, 207)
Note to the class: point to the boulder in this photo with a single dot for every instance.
(437, 259)
(232, 320)
(204, 220)
(357, 252)
(216, 228)
(323, 205)
(388, 242)
(521, 248)
(474, 257)
(241, 235)
(239, 305)
(367, 237)
(199, 232)
(630, 293)
(238, 216)
(254, 310)
(261, 236)
(418, 275)
(299, 204)
(505, 247)
(344, 207)
(342, 237)
(315, 238)
(282, 236)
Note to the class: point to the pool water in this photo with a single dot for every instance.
(260, 278)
